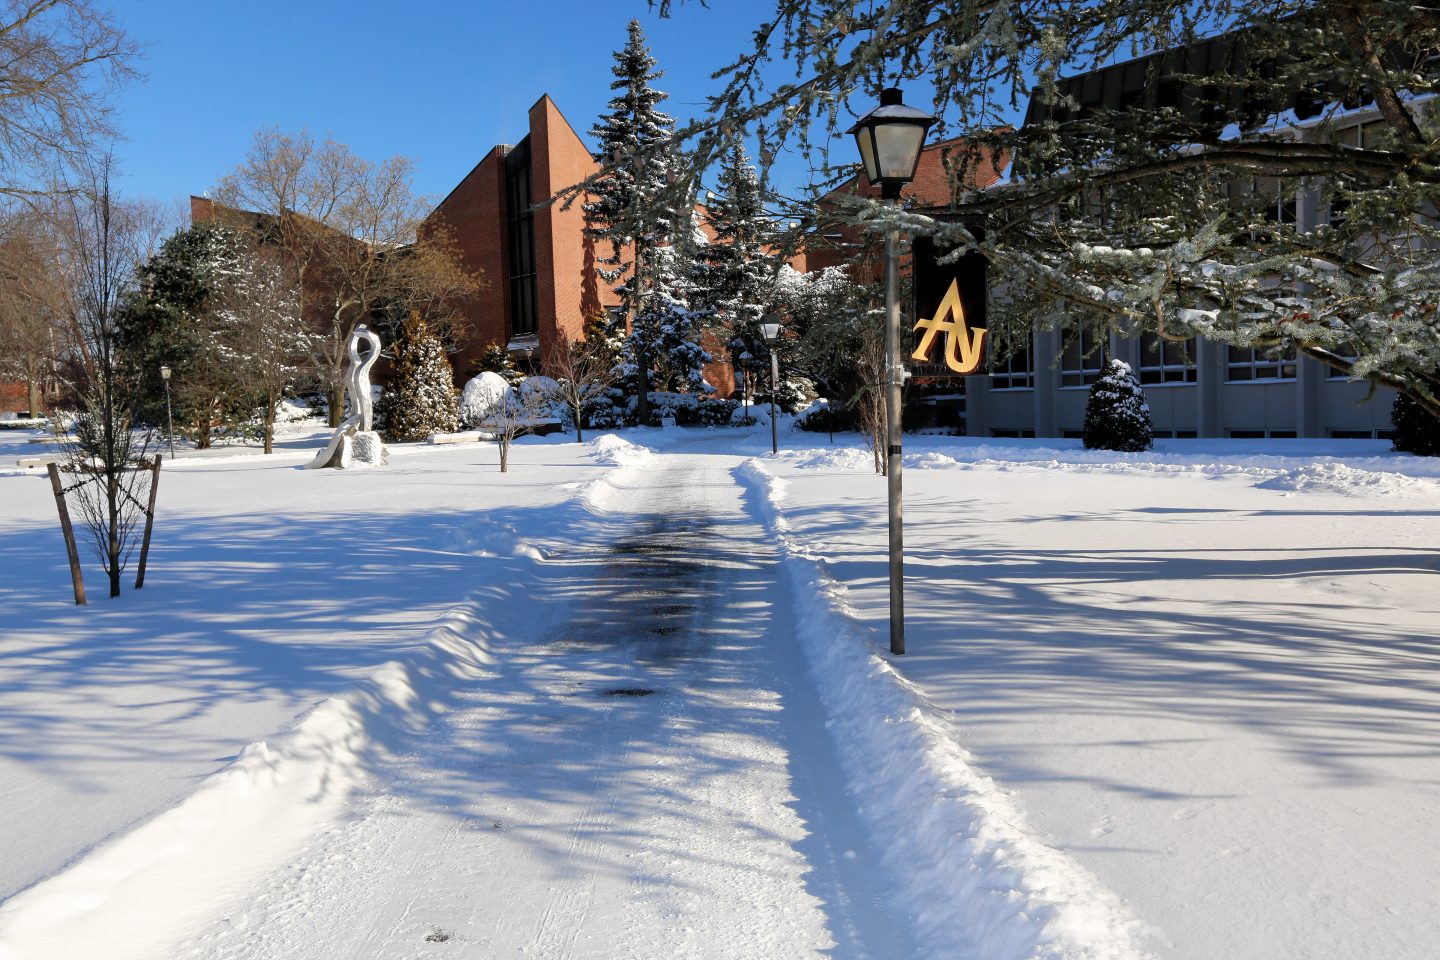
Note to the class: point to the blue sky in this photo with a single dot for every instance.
(439, 82)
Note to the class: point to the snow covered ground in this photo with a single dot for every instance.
(1180, 704)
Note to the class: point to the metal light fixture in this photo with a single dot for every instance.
(169, 421)
(890, 139)
(770, 331)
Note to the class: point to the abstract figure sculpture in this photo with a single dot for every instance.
(354, 440)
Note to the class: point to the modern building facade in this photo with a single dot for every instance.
(538, 267)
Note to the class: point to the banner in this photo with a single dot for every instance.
(950, 302)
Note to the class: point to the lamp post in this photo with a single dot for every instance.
(169, 422)
(770, 331)
(890, 138)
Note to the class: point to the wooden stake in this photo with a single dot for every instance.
(149, 522)
(76, 576)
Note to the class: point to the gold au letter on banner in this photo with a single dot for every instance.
(964, 348)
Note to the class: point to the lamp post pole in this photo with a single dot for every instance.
(169, 421)
(890, 138)
(894, 398)
(770, 333)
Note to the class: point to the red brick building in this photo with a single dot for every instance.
(537, 264)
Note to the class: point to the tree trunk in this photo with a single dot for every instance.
(112, 490)
(504, 454)
(33, 385)
(270, 427)
(337, 404)
(579, 435)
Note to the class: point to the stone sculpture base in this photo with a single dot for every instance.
(350, 447)
(367, 448)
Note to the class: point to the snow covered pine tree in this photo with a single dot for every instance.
(1116, 415)
(420, 400)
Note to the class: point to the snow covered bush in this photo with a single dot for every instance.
(706, 412)
(482, 397)
(820, 417)
(496, 359)
(1117, 416)
(420, 400)
(1416, 430)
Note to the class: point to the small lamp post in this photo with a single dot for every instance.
(770, 331)
(890, 139)
(169, 421)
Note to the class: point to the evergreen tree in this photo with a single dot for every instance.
(634, 209)
(1116, 415)
(667, 330)
(496, 359)
(174, 319)
(737, 270)
(627, 206)
(1416, 429)
(421, 399)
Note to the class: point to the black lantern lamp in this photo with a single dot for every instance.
(890, 138)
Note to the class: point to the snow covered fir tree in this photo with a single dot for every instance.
(1117, 416)
(1417, 430)
(420, 399)
(736, 272)
(633, 212)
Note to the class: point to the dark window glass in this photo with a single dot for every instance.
(521, 237)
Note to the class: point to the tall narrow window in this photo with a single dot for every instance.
(1083, 359)
(1015, 372)
(1165, 361)
(521, 235)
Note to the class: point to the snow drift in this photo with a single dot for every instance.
(979, 883)
(243, 821)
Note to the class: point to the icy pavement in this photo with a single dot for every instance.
(649, 778)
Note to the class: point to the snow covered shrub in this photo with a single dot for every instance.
(1416, 430)
(793, 392)
(1117, 416)
(707, 412)
(482, 397)
(420, 400)
(818, 418)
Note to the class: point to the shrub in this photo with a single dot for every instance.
(1416, 429)
(1117, 416)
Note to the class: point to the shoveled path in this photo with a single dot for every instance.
(648, 777)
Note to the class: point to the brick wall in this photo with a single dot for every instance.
(474, 214)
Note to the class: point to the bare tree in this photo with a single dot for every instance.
(348, 229)
(33, 332)
(869, 399)
(59, 59)
(104, 240)
(267, 336)
(582, 371)
(518, 412)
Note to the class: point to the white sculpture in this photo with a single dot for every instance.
(354, 440)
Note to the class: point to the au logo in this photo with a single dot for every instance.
(964, 347)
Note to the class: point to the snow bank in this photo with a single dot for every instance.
(619, 452)
(488, 538)
(242, 822)
(1359, 476)
(1348, 481)
(977, 881)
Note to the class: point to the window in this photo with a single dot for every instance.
(1249, 364)
(1262, 434)
(1166, 361)
(1364, 136)
(521, 236)
(1083, 359)
(1015, 372)
(1002, 432)
(1362, 434)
